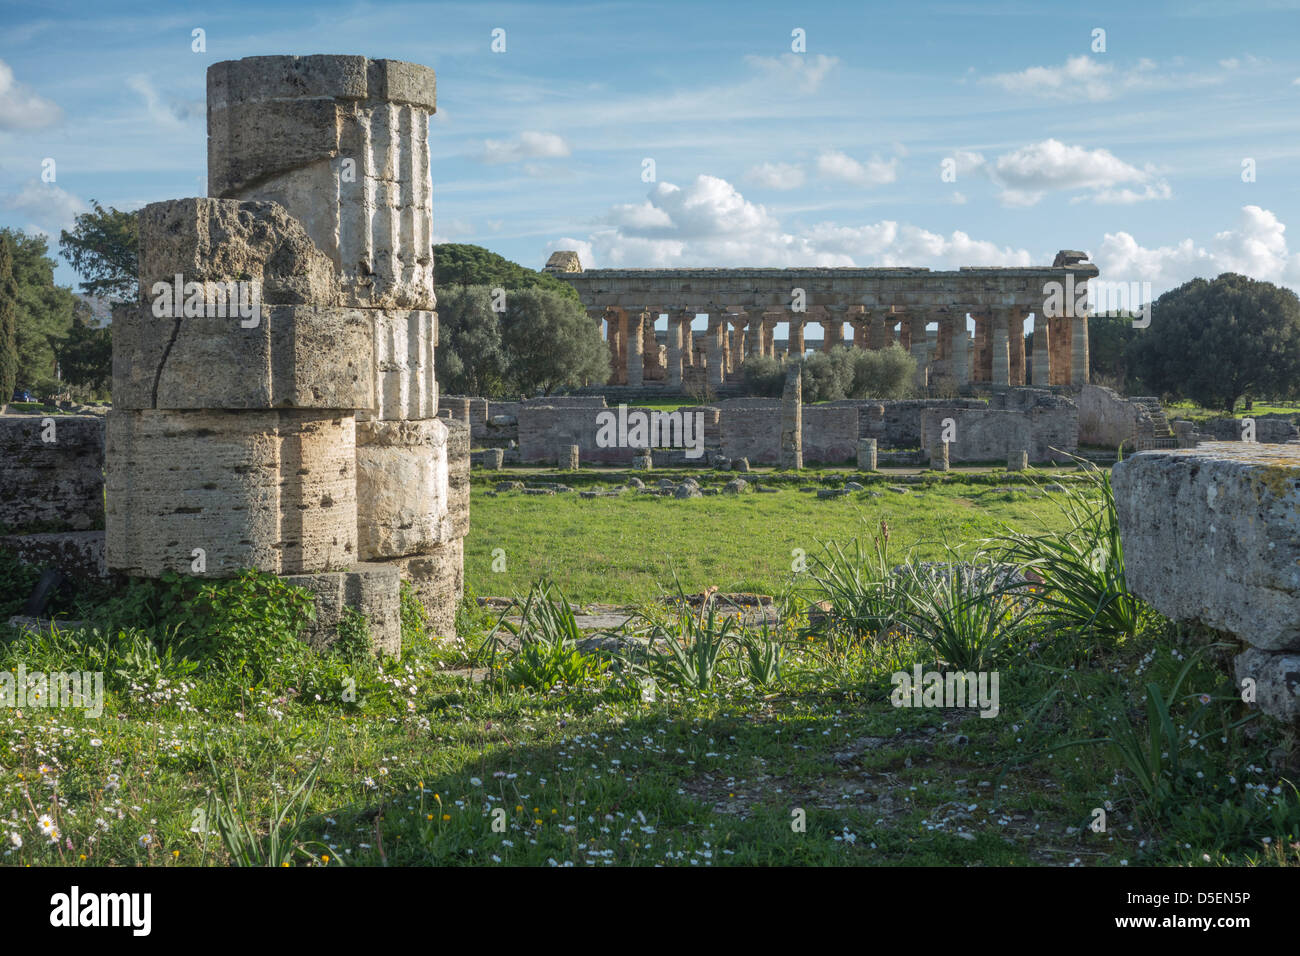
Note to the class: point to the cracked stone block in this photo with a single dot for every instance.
(273, 490)
(223, 240)
(1212, 534)
(342, 143)
(402, 488)
(77, 554)
(295, 357)
(373, 590)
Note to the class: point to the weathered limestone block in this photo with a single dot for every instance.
(342, 143)
(1277, 680)
(404, 383)
(273, 490)
(867, 454)
(438, 579)
(1212, 534)
(643, 462)
(374, 590)
(1017, 459)
(458, 484)
(493, 458)
(296, 357)
(51, 472)
(401, 487)
(939, 456)
(77, 554)
(222, 240)
(568, 459)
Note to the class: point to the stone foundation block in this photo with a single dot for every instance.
(1212, 534)
(401, 487)
(77, 554)
(374, 590)
(438, 579)
(1277, 681)
(271, 490)
(51, 472)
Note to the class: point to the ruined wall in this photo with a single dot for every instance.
(1046, 431)
(1106, 418)
(54, 484)
(830, 433)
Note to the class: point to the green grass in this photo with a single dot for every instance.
(1190, 411)
(424, 767)
(629, 548)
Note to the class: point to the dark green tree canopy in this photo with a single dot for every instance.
(1216, 341)
(469, 358)
(460, 264)
(8, 321)
(104, 248)
(550, 342)
(44, 311)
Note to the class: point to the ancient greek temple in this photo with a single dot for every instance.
(928, 313)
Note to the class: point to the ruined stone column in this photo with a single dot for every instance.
(1001, 368)
(1042, 352)
(1079, 350)
(635, 349)
(939, 456)
(616, 322)
(879, 335)
(792, 419)
(866, 454)
(919, 348)
(717, 329)
(341, 142)
(769, 336)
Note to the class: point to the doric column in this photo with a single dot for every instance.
(1042, 352)
(617, 320)
(715, 335)
(1016, 341)
(688, 339)
(769, 335)
(733, 338)
(753, 333)
(961, 354)
(833, 326)
(636, 348)
(1079, 350)
(919, 348)
(795, 346)
(943, 353)
(1001, 366)
(675, 322)
(881, 335)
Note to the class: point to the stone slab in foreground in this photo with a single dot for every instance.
(1212, 534)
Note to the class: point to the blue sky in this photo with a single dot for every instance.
(762, 156)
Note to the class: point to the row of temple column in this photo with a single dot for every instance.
(994, 354)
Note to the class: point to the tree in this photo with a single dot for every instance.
(1110, 344)
(44, 312)
(550, 342)
(460, 264)
(86, 357)
(469, 359)
(104, 247)
(8, 321)
(1214, 342)
(881, 373)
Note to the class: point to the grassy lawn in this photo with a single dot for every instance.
(1197, 413)
(412, 761)
(627, 549)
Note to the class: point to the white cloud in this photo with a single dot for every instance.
(805, 72)
(709, 223)
(1080, 77)
(46, 207)
(172, 112)
(1086, 78)
(1230, 64)
(1256, 248)
(1027, 174)
(777, 175)
(527, 145)
(20, 108)
(841, 167)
